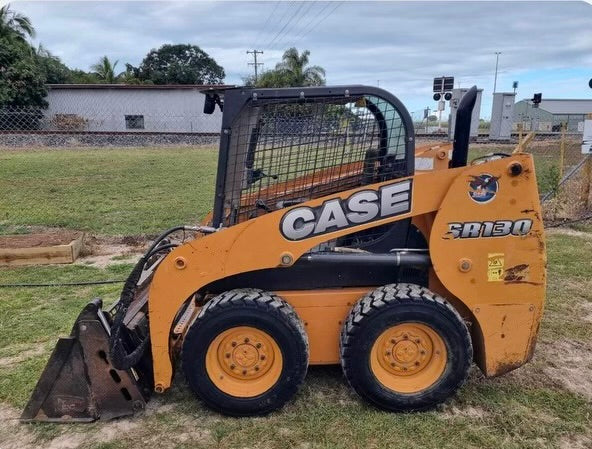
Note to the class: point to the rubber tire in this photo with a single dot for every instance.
(394, 304)
(246, 307)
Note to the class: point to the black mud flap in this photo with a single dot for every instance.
(79, 384)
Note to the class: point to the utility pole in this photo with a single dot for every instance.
(497, 53)
(255, 63)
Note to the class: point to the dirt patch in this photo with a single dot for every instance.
(575, 442)
(97, 245)
(587, 311)
(570, 232)
(104, 255)
(13, 435)
(103, 251)
(470, 412)
(67, 441)
(115, 429)
(53, 238)
(570, 362)
(22, 356)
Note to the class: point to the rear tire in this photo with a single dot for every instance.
(405, 348)
(246, 353)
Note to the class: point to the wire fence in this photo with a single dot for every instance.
(128, 115)
(86, 174)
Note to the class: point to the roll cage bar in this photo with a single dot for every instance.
(234, 100)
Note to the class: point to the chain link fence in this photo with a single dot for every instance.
(112, 114)
(563, 170)
(126, 162)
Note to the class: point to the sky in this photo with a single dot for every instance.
(400, 46)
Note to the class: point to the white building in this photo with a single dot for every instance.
(130, 108)
(551, 113)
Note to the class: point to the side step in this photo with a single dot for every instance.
(79, 384)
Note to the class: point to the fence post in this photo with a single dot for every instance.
(562, 150)
(587, 182)
(587, 177)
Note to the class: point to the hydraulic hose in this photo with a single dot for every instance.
(120, 358)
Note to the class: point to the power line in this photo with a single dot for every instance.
(265, 24)
(280, 20)
(306, 27)
(321, 20)
(290, 19)
(310, 4)
(255, 64)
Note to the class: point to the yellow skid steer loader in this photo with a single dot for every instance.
(324, 246)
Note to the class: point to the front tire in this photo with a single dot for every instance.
(246, 353)
(405, 348)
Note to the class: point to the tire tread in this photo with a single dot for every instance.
(264, 302)
(375, 302)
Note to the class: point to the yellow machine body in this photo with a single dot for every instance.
(497, 282)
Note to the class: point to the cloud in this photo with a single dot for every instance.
(402, 44)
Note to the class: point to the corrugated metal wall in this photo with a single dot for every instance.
(163, 110)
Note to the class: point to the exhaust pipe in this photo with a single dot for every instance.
(462, 128)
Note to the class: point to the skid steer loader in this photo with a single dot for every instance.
(325, 246)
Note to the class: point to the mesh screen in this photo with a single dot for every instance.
(285, 152)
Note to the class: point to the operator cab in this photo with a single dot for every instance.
(282, 147)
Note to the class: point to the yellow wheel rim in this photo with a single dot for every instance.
(244, 361)
(408, 357)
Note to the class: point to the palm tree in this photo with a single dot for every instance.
(129, 75)
(291, 72)
(105, 70)
(294, 65)
(13, 24)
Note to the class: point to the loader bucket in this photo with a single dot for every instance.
(79, 383)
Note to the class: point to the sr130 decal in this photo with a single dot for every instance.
(477, 229)
(362, 207)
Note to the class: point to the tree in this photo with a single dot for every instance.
(22, 74)
(293, 71)
(22, 80)
(81, 77)
(180, 64)
(14, 25)
(131, 76)
(22, 86)
(295, 65)
(105, 70)
(55, 71)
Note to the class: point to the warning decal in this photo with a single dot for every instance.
(495, 267)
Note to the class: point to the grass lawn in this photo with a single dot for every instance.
(135, 191)
(117, 191)
(545, 404)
